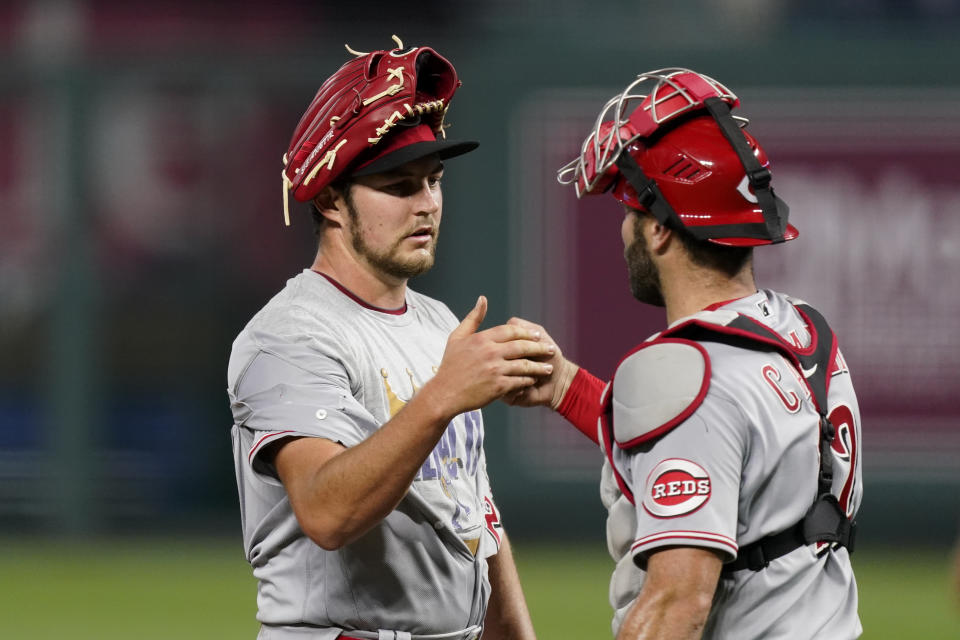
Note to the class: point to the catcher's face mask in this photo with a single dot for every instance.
(376, 112)
(668, 145)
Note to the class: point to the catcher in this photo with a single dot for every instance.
(731, 438)
(358, 437)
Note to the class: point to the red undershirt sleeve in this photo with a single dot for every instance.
(581, 404)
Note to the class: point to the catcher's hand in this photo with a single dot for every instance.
(548, 390)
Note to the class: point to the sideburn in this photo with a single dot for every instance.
(644, 276)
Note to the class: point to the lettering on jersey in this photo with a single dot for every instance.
(448, 459)
(839, 365)
(443, 462)
(795, 339)
(471, 421)
(456, 452)
(461, 511)
(676, 487)
(446, 464)
(430, 469)
(493, 519)
(447, 452)
(772, 377)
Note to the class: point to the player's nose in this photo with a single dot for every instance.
(427, 198)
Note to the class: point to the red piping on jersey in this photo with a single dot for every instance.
(691, 535)
(814, 337)
(360, 301)
(809, 349)
(606, 413)
(786, 349)
(606, 432)
(804, 351)
(717, 305)
(831, 367)
(256, 446)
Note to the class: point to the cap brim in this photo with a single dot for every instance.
(442, 148)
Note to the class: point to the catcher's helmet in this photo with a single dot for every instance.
(378, 111)
(668, 145)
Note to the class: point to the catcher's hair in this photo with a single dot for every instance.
(725, 259)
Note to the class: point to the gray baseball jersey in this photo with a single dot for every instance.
(736, 460)
(318, 362)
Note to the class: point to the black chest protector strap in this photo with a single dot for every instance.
(825, 521)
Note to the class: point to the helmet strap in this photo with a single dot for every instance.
(648, 192)
(775, 210)
(652, 199)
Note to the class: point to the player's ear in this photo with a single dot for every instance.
(331, 204)
(658, 235)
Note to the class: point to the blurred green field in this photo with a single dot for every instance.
(181, 588)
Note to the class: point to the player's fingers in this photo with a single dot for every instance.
(515, 397)
(472, 321)
(527, 349)
(525, 324)
(514, 384)
(522, 367)
(507, 332)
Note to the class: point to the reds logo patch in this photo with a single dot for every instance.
(676, 487)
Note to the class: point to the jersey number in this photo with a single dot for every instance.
(847, 448)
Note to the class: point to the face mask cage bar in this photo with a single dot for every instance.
(646, 104)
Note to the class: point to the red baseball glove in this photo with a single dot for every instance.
(357, 106)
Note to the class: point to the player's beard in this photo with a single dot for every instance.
(644, 276)
(387, 260)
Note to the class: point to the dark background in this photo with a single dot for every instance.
(141, 227)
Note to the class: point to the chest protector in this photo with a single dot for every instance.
(825, 522)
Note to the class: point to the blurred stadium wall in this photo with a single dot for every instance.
(140, 227)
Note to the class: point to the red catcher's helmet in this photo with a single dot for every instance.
(668, 145)
(377, 104)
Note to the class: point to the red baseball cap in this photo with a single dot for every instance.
(406, 143)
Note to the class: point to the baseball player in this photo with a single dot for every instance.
(358, 437)
(732, 468)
